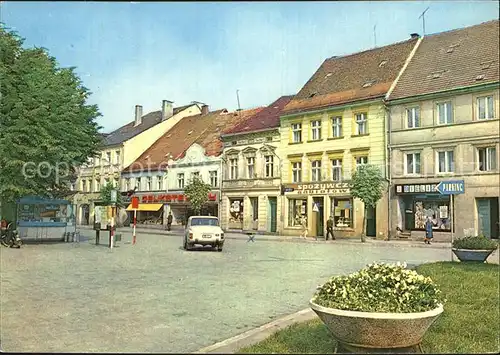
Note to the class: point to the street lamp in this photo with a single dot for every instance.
(114, 194)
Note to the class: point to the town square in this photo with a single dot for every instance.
(249, 177)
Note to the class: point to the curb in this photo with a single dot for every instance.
(254, 336)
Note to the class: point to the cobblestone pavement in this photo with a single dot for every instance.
(156, 297)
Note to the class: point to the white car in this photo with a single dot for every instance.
(203, 230)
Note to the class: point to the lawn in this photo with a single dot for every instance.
(470, 322)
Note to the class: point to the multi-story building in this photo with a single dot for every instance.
(444, 126)
(120, 148)
(191, 148)
(252, 172)
(335, 123)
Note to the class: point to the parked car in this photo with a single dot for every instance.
(203, 230)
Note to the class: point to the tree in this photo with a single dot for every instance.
(46, 126)
(105, 195)
(367, 185)
(197, 192)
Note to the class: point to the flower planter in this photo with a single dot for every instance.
(376, 330)
(472, 254)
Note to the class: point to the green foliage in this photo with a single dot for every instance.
(197, 193)
(44, 121)
(381, 287)
(475, 243)
(105, 195)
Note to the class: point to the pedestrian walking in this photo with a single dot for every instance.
(428, 230)
(169, 221)
(329, 228)
(304, 227)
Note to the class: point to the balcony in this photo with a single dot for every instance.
(258, 183)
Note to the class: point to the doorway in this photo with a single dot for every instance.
(318, 219)
(85, 215)
(273, 209)
(371, 222)
(488, 219)
(408, 214)
(254, 201)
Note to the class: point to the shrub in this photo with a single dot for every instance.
(380, 287)
(475, 243)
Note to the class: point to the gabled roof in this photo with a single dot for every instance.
(129, 130)
(453, 59)
(201, 129)
(267, 118)
(359, 76)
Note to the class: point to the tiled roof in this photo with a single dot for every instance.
(359, 76)
(268, 117)
(452, 59)
(129, 130)
(202, 129)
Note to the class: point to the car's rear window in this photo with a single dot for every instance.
(204, 222)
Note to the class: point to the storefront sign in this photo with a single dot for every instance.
(331, 188)
(455, 187)
(415, 188)
(173, 197)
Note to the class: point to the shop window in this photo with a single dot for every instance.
(236, 213)
(446, 163)
(412, 165)
(361, 124)
(445, 113)
(180, 180)
(296, 132)
(337, 126)
(487, 159)
(336, 169)
(485, 108)
(316, 130)
(316, 170)
(413, 117)
(437, 210)
(297, 171)
(297, 208)
(269, 159)
(213, 178)
(342, 212)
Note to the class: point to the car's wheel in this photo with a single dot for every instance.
(219, 248)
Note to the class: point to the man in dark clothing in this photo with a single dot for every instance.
(329, 228)
(169, 220)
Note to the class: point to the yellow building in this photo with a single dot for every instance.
(122, 147)
(444, 126)
(334, 123)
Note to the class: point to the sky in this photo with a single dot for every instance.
(140, 53)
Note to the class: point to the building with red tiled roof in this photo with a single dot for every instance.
(190, 148)
(443, 122)
(251, 171)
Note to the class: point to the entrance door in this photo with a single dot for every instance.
(371, 222)
(273, 208)
(487, 212)
(409, 215)
(318, 202)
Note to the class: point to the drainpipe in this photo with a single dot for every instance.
(222, 162)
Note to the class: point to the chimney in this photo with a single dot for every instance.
(138, 115)
(167, 109)
(414, 35)
(204, 110)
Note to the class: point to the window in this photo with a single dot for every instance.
(149, 183)
(250, 167)
(361, 124)
(296, 132)
(316, 170)
(336, 169)
(180, 180)
(108, 157)
(72, 186)
(97, 161)
(316, 130)
(127, 184)
(446, 162)
(413, 117)
(297, 171)
(269, 160)
(445, 114)
(487, 159)
(84, 185)
(195, 174)
(297, 209)
(106, 181)
(337, 126)
(342, 212)
(233, 169)
(159, 182)
(361, 160)
(412, 165)
(117, 157)
(213, 178)
(485, 108)
(116, 182)
(97, 185)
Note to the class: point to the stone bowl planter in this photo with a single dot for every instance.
(477, 255)
(376, 330)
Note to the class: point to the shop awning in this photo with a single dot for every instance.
(146, 207)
